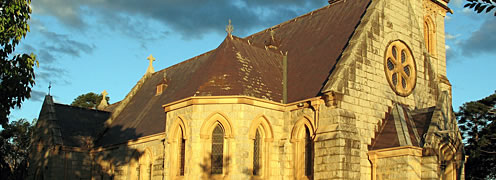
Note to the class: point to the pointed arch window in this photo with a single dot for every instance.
(302, 137)
(308, 153)
(256, 154)
(182, 149)
(430, 35)
(217, 150)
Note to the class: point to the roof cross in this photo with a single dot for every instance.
(103, 103)
(49, 87)
(150, 66)
(104, 93)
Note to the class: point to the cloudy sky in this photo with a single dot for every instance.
(95, 45)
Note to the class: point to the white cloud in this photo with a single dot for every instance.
(452, 37)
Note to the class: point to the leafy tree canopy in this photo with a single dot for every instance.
(15, 141)
(16, 71)
(481, 5)
(89, 100)
(477, 123)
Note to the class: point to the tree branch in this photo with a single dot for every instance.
(488, 152)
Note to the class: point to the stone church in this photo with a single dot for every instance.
(354, 90)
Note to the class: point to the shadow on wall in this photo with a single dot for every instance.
(90, 161)
(121, 161)
(214, 167)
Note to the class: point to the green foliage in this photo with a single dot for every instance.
(89, 100)
(15, 141)
(477, 123)
(481, 5)
(16, 71)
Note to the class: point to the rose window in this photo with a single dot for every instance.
(400, 68)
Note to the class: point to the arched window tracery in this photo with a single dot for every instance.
(217, 155)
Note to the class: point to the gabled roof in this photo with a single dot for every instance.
(71, 126)
(77, 123)
(314, 42)
(402, 127)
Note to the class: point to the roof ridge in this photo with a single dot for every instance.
(77, 107)
(127, 99)
(186, 61)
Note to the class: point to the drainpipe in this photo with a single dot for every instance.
(285, 78)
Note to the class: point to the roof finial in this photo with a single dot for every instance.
(229, 29)
(49, 87)
(150, 67)
(103, 103)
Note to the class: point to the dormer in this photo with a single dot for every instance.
(162, 85)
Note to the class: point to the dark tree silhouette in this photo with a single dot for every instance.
(481, 5)
(477, 123)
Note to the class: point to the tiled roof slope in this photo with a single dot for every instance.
(400, 124)
(314, 43)
(77, 125)
(234, 68)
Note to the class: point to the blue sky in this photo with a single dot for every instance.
(95, 45)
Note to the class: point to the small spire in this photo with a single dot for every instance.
(229, 29)
(150, 66)
(103, 104)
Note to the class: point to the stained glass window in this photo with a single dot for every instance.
(308, 153)
(256, 154)
(217, 150)
(182, 148)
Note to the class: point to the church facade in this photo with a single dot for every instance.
(354, 90)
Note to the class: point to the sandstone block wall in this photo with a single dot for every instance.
(360, 75)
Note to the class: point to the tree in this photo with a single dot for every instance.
(477, 123)
(15, 141)
(481, 5)
(16, 71)
(89, 100)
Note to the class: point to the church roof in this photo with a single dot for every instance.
(402, 127)
(69, 125)
(77, 123)
(245, 66)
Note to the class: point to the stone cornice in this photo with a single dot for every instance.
(395, 151)
(203, 100)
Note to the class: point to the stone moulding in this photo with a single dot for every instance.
(204, 100)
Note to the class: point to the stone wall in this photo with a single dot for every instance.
(359, 76)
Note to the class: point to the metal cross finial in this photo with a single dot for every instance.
(229, 28)
(49, 87)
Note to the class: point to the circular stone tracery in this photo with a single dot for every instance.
(400, 69)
